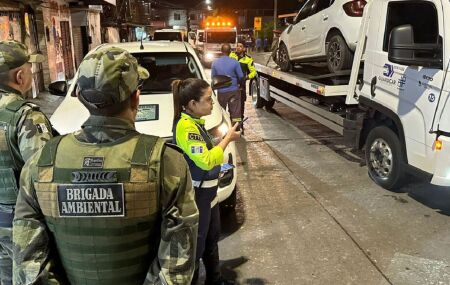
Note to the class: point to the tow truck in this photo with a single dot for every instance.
(393, 103)
(216, 31)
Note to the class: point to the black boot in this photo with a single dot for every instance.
(212, 268)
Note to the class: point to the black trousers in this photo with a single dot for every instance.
(243, 98)
(208, 232)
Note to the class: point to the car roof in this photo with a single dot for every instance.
(168, 31)
(156, 46)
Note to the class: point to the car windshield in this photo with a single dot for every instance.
(221, 37)
(165, 68)
(167, 36)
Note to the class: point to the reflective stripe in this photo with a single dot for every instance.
(215, 201)
(206, 184)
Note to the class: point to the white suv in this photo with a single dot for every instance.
(165, 61)
(323, 30)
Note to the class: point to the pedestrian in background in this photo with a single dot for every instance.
(258, 44)
(229, 97)
(193, 100)
(249, 71)
(106, 204)
(24, 129)
(266, 44)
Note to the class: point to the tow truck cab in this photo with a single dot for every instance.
(217, 31)
(404, 84)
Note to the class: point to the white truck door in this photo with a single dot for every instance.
(408, 90)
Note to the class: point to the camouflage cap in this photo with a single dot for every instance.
(108, 76)
(14, 54)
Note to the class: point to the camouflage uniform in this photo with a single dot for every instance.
(24, 130)
(51, 248)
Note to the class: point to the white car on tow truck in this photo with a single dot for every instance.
(166, 61)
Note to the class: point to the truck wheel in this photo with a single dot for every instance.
(385, 158)
(258, 102)
(339, 56)
(283, 58)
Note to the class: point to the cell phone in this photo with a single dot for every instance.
(226, 166)
(241, 123)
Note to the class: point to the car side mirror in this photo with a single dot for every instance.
(403, 50)
(58, 88)
(221, 81)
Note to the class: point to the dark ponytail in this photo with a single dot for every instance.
(184, 91)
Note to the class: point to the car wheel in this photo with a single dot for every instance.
(258, 102)
(339, 56)
(283, 58)
(385, 158)
(229, 204)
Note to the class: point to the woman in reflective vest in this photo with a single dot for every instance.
(192, 101)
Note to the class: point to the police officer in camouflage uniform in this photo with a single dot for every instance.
(24, 129)
(106, 204)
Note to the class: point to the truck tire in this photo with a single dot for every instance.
(258, 102)
(385, 158)
(339, 56)
(283, 58)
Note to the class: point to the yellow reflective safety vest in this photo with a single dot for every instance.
(247, 66)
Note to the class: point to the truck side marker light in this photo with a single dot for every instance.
(437, 145)
(321, 90)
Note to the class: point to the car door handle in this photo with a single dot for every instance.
(373, 86)
(325, 18)
(303, 28)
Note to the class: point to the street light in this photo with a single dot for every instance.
(208, 1)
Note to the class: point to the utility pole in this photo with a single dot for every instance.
(275, 14)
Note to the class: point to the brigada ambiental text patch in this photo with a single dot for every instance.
(91, 200)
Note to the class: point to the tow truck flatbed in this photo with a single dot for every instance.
(312, 83)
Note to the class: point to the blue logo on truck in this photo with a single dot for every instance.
(388, 70)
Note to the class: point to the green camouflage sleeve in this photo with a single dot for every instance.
(176, 254)
(32, 262)
(34, 131)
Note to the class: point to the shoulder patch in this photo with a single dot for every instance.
(195, 137)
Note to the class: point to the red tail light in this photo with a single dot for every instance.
(355, 8)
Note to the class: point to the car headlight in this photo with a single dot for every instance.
(220, 130)
(209, 56)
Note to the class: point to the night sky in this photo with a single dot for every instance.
(284, 5)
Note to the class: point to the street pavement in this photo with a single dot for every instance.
(308, 213)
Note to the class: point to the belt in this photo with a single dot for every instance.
(206, 184)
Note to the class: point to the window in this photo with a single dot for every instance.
(307, 10)
(322, 5)
(193, 17)
(422, 16)
(177, 17)
(165, 68)
(167, 36)
(221, 37)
